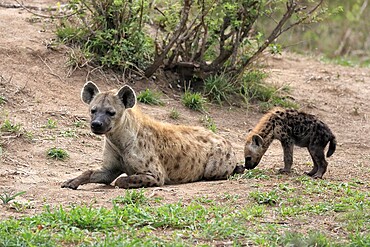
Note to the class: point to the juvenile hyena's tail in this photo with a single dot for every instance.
(332, 146)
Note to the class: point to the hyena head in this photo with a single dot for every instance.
(253, 150)
(106, 108)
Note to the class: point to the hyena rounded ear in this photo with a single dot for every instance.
(89, 91)
(257, 140)
(127, 96)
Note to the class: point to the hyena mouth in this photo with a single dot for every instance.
(100, 132)
(250, 165)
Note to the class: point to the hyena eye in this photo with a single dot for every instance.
(111, 113)
(93, 110)
(248, 158)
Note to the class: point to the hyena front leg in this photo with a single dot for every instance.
(139, 181)
(101, 176)
(288, 156)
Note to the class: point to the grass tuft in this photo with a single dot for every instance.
(57, 154)
(150, 97)
(194, 101)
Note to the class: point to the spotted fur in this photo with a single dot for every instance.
(150, 152)
(290, 127)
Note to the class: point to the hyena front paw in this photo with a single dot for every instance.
(71, 184)
(284, 171)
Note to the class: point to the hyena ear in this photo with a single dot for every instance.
(257, 140)
(89, 91)
(127, 96)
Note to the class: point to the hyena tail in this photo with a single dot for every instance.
(332, 146)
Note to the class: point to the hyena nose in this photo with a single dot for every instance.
(96, 124)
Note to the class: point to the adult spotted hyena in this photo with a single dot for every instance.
(151, 153)
(291, 127)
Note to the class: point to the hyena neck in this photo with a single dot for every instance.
(265, 129)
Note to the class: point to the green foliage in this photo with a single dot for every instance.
(2, 100)
(270, 198)
(254, 89)
(150, 97)
(174, 114)
(209, 123)
(314, 238)
(10, 127)
(194, 101)
(249, 174)
(7, 196)
(51, 124)
(110, 33)
(57, 153)
(218, 88)
(136, 197)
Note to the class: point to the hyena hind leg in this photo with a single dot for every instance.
(320, 164)
(139, 181)
(101, 176)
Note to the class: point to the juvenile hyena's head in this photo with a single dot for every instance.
(106, 108)
(253, 150)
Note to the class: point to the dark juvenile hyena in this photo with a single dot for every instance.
(290, 127)
(151, 153)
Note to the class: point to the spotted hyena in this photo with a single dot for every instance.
(151, 153)
(290, 127)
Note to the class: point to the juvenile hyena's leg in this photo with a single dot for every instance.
(139, 181)
(288, 156)
(318, 157)
(315, 164)
(101, 176)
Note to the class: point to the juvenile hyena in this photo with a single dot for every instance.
(290, 127)
(151, 153)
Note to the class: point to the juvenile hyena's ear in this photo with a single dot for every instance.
(89, 91)
(127, 96)
(257, 140)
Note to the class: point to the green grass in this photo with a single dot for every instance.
(8, 196)
(218, 88)
(57, 153)
(174, 114)
(150, 97)
(2, 100)
(209, 123)
(254, 90)
(10, 127)
(51, 124)
(194, 101)
(282, 214)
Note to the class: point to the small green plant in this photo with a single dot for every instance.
(270, 198)
(2, 100)
(7, 196)
(249, 174)
(79, 123)
(69, 133)
(209, 123)
(10, 127)
(218, 88)
(132, 197)
(57, 153)
(194, 101)
(174, 114)
(254, 90)
(50, 124)
(150, 97)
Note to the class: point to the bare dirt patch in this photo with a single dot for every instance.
(36, 86)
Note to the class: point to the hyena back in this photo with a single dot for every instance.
(290, 127)
(151, 153)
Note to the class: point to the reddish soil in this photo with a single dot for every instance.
(38, 86)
